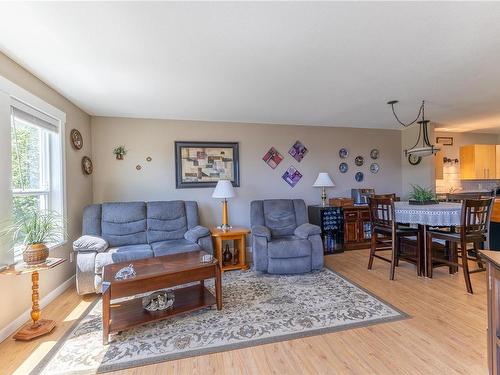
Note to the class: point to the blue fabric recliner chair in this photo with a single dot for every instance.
(283, 242)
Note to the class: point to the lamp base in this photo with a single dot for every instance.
(224, 227)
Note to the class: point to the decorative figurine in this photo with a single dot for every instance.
(236, 256)
(227, 256)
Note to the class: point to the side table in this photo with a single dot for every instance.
(39, 326)
(238, 236)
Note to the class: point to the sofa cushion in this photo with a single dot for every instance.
(279, 216)
(122, 254)
(166, 221)
(124, 223)
(289, 247)
(90, 243)
(173, 247)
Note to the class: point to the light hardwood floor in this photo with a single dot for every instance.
(445, 334)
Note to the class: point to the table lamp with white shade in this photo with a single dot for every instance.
(323, 181)
(224, 190)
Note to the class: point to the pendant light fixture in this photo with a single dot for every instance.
(423, 146)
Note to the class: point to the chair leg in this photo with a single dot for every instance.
(429, 254)
(476, 255)
(465, 266)
(451, 269)
(394, 256)
(373, 246)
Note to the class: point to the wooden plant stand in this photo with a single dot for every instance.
(238, 235)
(38, 327)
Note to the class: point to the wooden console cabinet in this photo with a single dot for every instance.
(493, 259)
(357, 227)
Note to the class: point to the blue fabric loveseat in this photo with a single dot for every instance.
(126, 231)
(283, 242)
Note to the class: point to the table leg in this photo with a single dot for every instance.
(426, 267)
(218, 287)
(106, 299)
(243, 250)
(39, 326)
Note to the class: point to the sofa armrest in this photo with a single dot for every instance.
(90, 243)
(195, 233)
(261, 231)
(305, 230)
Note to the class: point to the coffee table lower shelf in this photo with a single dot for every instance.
(128, 314)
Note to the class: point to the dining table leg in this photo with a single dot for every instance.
(423, 249)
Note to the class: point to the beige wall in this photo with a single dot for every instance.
(120, 181)
(15, 291)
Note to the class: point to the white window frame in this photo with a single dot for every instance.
(13, 95)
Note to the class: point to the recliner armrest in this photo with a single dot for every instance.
(305, 230)
(261, 231)
(90, 243)
(195, 233)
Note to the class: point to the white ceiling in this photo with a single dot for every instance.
(332, 64)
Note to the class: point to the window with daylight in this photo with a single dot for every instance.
(36, 163)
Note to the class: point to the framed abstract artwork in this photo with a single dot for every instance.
(203, 164)
(298, 151)
(292, 176)
(273, 158)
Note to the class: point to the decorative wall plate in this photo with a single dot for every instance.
(414, 159)
(374, 153)
(359, 176)
(374, 167)
(343, 153)
(343, 167)
(359, 161)
(87, 166)
(76, 139)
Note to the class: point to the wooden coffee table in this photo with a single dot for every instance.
(154, 274)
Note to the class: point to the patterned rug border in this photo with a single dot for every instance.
(223, 348)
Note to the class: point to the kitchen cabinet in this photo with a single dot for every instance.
(478, 162)
(438, 165)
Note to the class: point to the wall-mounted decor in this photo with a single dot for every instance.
(445, 141)
(120, 152)
(273, 158)
(138, 167)
(414, 159)
(343, 153)
(359, 161)
(374, 168)
(292, 176)
(343, 167)
(87, 166)
(203, 164)
(359, 176)
(148, 159)
(76, 139)
(298, 151)
(374, 154)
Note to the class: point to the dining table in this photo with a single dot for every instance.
(442, 214)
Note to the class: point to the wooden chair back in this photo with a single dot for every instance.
(382, 212)
(475, 216)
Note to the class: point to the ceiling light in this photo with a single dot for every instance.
(426, 148)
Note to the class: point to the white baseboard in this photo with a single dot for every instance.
(25, 316)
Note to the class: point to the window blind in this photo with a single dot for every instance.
(23, 112)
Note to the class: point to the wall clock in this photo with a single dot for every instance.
(414, 159)
(76, 139)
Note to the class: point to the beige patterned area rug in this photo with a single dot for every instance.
(258, 309)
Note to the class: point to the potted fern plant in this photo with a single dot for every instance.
(120, 152)
(35, 230)
(421, 196)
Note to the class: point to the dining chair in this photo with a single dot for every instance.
(382, 215)
(473, 229)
